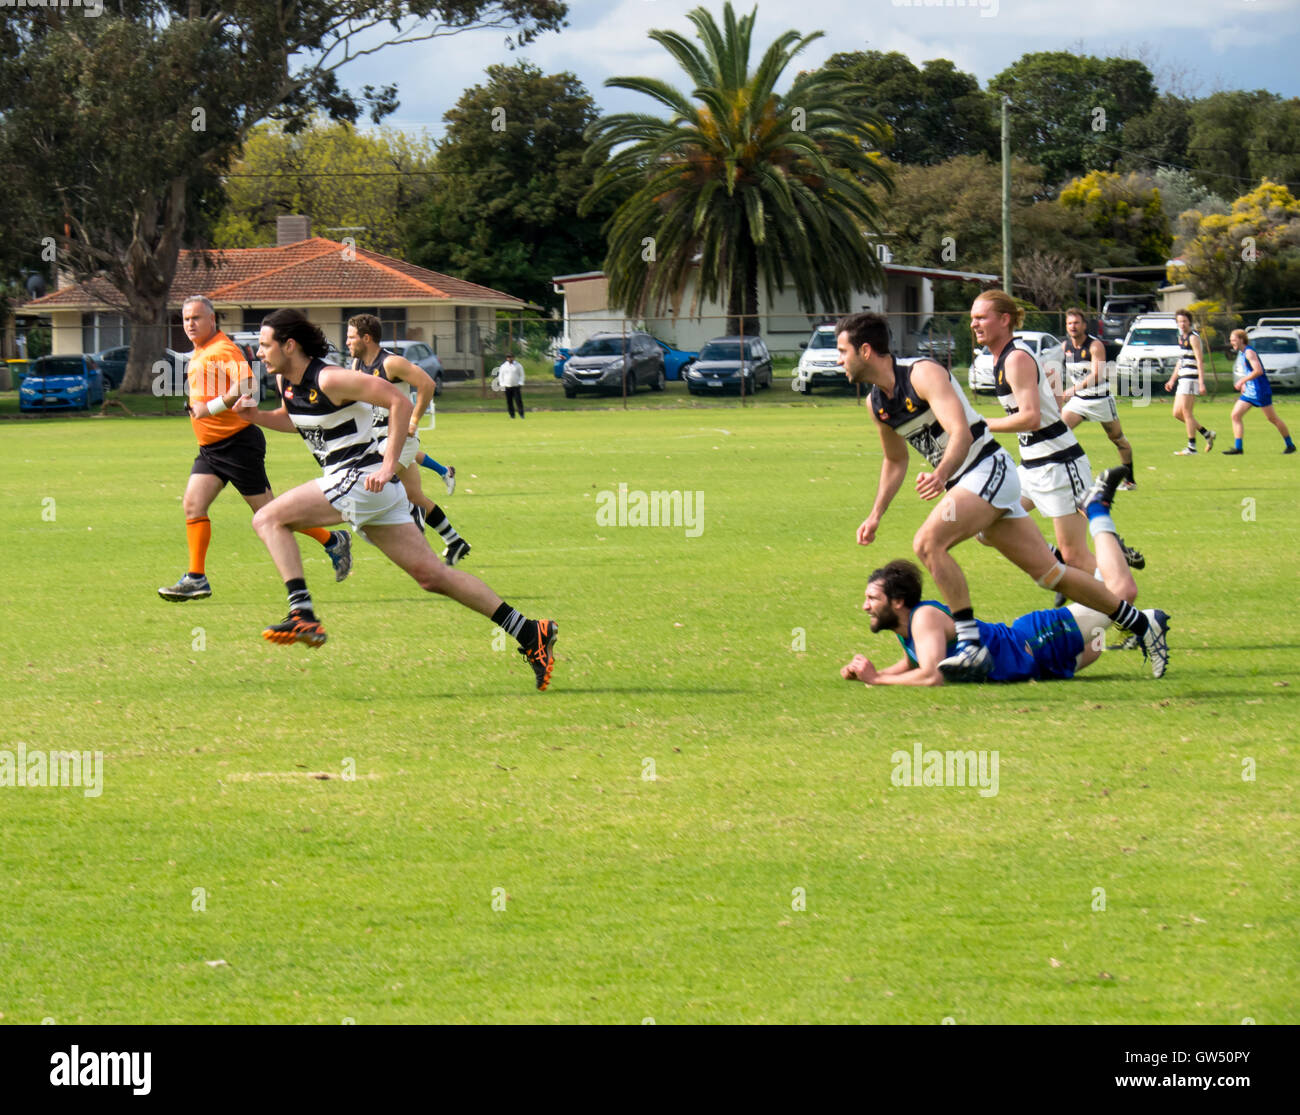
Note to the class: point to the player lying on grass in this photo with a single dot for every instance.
(976, 488)
(331, 407)
(1053, 643)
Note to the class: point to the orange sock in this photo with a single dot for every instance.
(198, 533)
(319, 533)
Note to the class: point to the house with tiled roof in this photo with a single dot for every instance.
(328, 280)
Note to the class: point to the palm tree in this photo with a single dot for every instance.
(739, 179)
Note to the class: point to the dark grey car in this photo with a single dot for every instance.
(604, 359)
(740, 362)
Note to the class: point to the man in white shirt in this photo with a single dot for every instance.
(511, 377)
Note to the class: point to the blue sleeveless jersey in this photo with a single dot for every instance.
(1258, 392)
(1038, 646)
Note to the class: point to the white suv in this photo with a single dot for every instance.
(819, 366)
(1150, 354)
(1278, 348)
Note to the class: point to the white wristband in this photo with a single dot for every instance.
(217, 405)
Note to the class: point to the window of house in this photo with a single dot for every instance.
(392, 320)
(103, 330)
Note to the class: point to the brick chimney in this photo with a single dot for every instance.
(291, 229)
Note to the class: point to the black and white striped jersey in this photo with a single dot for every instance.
(1078, 366)
(1187, 358)
(376, 368)
(910, 416)
(1053, 441)
(339, 437)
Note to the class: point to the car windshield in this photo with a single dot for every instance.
(1153, 337)
(822, 339)
(1125, 307)
(1273, 345)
(601, 346)
(720, 350)
(59, 366)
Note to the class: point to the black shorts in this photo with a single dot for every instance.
(239, 460)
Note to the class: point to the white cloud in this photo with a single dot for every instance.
(1203, 43)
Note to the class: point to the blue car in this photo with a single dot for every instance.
(676, 361)
(62, 383)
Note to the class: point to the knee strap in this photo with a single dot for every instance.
(1052, 577)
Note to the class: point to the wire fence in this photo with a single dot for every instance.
(598, 353)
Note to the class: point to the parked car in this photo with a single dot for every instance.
(1045, 347)
(819, 366)
(62, 383)
(723, 363)
(1149, 355)
(112, 363)
(676, 360)
(933, 343)
(602, 361)
(1279, 352)
(1118, 313)
(421, 355)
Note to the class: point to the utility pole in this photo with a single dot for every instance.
(1006, 197)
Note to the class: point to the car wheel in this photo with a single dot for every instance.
(658, 383)
(437, 386)
(570, 393)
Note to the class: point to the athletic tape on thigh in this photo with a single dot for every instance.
(1052, 577)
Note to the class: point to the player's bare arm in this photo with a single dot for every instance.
(932, 383)
(1022, 378)
(342, 386)
(398, 367)
(930, 641)
(279, 419)
(893, 470)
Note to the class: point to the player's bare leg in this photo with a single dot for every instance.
(1115, 432)
(410, 478)
(299, 508)
(201, 489)
(958, 515)
(1072, 540)
(407, 548)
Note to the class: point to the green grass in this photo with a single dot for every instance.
(372, 898)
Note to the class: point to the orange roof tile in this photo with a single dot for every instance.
(300, 274)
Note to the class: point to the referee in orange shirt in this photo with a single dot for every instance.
(231, 449)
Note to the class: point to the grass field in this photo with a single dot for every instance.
(495, 854)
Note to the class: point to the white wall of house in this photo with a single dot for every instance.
(782, 321)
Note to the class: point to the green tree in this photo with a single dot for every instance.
(933, 113)
(1121, 211)
(1180, 191)
(511, 177)
(1070, 111)
(1239, 137)
(116, 129)
(1159, 135)
(1254, 248)
(740, 177)
(364, 182)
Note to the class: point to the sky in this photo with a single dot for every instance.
(1193, 47)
